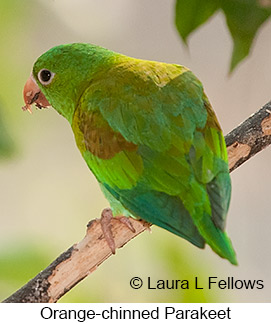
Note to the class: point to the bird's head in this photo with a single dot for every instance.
(61, 75)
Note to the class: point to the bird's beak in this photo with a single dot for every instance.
(33, 95)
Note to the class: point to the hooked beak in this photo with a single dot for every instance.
(33, 95)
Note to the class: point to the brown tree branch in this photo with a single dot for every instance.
(252, 136)
(74, 264)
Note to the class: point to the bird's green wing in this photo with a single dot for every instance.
(165, 139)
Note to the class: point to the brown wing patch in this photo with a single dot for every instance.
(99, 137)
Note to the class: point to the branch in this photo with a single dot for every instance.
(252, 136)
(74, 264)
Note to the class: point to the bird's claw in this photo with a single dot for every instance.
(106, 218)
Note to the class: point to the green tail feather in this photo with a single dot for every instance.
(217, 239)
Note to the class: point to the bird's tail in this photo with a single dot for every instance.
(216, 239)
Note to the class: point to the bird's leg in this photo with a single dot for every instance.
(106, 218)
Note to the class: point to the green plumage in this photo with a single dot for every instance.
(148, 133)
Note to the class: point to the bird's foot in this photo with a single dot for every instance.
(106, 218)
(146, 224)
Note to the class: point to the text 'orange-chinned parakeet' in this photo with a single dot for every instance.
(149, 135)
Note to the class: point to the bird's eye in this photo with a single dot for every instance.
(45, 76)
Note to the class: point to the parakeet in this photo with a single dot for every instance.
(148, 133)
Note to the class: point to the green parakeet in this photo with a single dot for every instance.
(149, 135)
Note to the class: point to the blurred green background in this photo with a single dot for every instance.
(47, 194)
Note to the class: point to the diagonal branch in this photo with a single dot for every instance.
(252, 136)
(74, 264)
